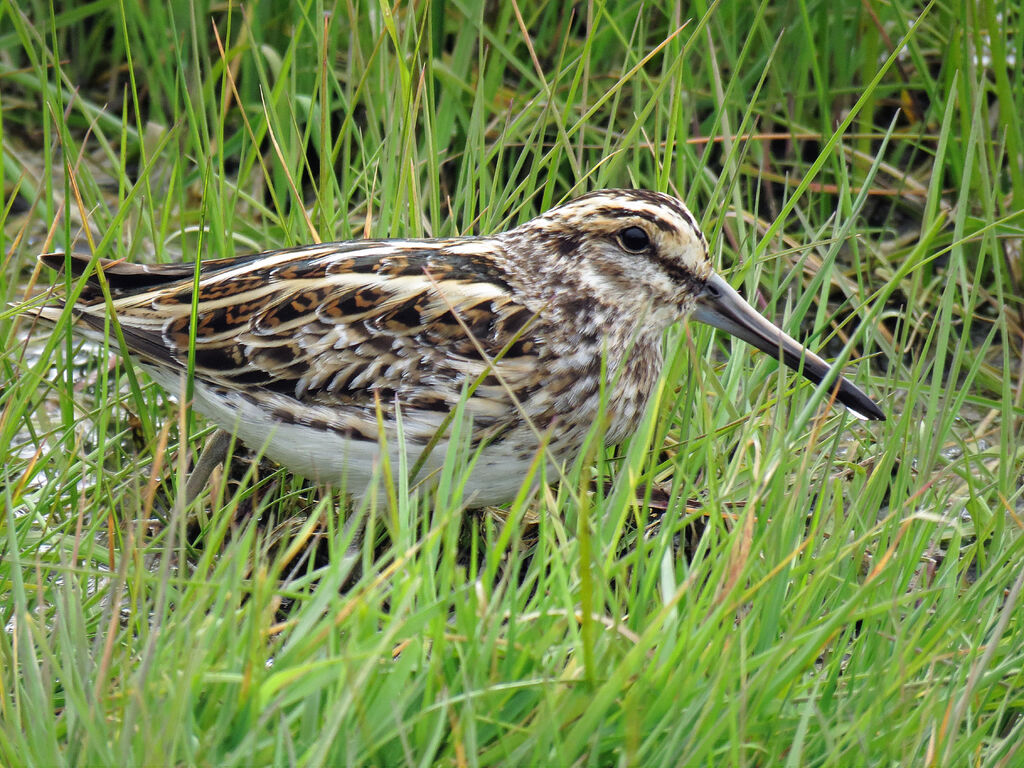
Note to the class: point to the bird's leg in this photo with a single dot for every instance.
(214, 452)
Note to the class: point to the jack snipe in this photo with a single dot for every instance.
(296, 349)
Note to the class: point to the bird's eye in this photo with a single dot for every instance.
(634, 239)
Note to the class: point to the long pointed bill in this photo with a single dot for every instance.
(722, 307)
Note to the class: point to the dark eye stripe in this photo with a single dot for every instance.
(677, 271)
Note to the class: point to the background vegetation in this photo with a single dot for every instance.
(841, 594)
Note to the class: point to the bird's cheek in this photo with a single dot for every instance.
(684, 304)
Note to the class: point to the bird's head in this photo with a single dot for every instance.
(643, 253)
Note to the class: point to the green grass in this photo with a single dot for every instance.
(851, 594)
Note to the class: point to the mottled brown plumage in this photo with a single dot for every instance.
(296, 349)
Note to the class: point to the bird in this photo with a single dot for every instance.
(307, 352)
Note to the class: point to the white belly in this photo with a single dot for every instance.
(353, 464)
